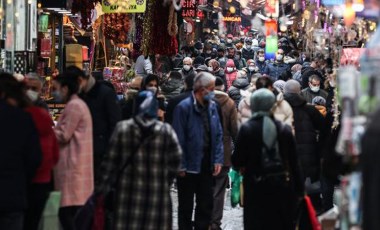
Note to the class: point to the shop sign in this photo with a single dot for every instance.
(333, 2)
(272, 8)
(133, 6)
(189, 9)
(232, 19)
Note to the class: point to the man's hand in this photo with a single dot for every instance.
(182, 174)
(217, 169)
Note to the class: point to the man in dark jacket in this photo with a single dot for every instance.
(241, 83)
(276, 68)
(229, 124)
(312, 69)
(196, 122)
(173, 86)
(173, 102)
(105, 112)
(314, 89)
(248, 52)
(19, 159)
(260, 62)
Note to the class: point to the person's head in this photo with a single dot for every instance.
(64, 86)
(187, 63)
(286, 75)
(204, 85)
(221, 52)
(198, 61)
(254, 79)
(331, 79)
(231, 52)
(136, 83)
(261, 55)
(317, 61)
(80, 75)
(292, 87)
(150, 83)
(296, 68)
(251, 65)
(230, 66)
(213, 65)
(314, 83)
(146, 105)
(279, 85)
(280, 55)
(208, 49)
(262, 100)
(238, 54)
(219, 84)
(189, 82)
(12, 91)
(33, 86)
(248, 43)
(264, 82)
(318, 100)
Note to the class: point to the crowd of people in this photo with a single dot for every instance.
(221, 106)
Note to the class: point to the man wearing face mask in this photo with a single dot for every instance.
(34, 87)
(248, 52)
(313, 69)
(251, 69)
(276, 68)
(229, 41)
(187, 68)
(231, 54)
(314, 89)
(221, 57)
(260, 62)
(197, 124)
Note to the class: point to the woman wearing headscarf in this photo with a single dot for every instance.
(265, 152)
(151, 83)
(146, 155)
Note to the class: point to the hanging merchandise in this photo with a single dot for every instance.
(147, 29)
(116, 27)
(271, 39)
(172, 25)
(86, 10)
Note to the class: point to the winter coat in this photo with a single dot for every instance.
(234, 91)
(48, 142)
(262, 199)
(188, 124)
(248, 54)
(310, 95)
(172, 88)
(308, 72)
(229, 121)
(143, 190)
(282, 111)
(242, 63)
(172, 103)
(19, 159)
(263, 67)
(230, 77)
(105, 113)
(73, 175)
(275, 70)
(185, 73)
(307, 120)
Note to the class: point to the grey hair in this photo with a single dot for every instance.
(203, 79)
(314, 77)
(188, 59)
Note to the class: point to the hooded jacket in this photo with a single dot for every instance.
(230, 77)
(237, 85)
(229, 121)
(172, 88)
(185, 73)
(275, 70)
(307, 120)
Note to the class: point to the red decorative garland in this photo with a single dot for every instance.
(116, 27)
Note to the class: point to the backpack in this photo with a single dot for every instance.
(274, 170)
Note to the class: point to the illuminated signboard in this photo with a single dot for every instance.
(232, 19)
(133, 6)
(189, 9)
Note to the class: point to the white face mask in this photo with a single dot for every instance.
(152, 89)
(252, 68)
(261, 59)
(279, 57)
(210, 69)
(33, 95)
(186, 67)
(248, 47)
(229, 40)
(208, 52)
(315, 89)
(290, 60)
(230, 69)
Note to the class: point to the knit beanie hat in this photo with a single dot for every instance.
(292, 86)
(279, 84)
(318, 100)
(262, 100)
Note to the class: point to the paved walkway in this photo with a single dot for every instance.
(232, 217)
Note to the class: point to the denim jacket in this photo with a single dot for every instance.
(188, 124)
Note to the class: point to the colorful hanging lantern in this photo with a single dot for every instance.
(271, 39)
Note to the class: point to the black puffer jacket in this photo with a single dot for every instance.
(172, 88)
(234, 91)
(307, 120)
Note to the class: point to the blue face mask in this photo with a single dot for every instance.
(208, 97)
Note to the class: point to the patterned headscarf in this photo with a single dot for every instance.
(146, 105)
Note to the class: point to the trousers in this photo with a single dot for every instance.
(220, 185)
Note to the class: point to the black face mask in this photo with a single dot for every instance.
(220, 55)
(231, 56)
